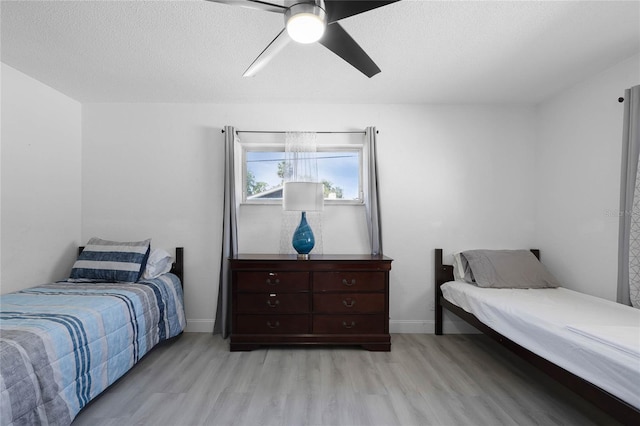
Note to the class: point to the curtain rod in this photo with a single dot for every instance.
(362, 132)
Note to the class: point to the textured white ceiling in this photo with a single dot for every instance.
(429, 51)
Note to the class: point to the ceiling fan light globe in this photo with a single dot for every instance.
(305, 22)
(305, 28)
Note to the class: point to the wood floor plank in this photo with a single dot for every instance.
(230, 408)
(424, 380)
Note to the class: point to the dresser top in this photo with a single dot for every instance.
(312, 257)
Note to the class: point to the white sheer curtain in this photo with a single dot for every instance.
(300, 165)
(300, 150)
(371, 199)
(629, 236)
(229, 235)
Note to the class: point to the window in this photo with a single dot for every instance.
(264, 170)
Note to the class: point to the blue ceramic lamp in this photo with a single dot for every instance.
(303, 197)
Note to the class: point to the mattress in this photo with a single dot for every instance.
(62, 344)
(595, 339)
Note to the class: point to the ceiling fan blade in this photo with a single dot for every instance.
(254, 4)
(339, 9)
(276, 45)
(337, 40)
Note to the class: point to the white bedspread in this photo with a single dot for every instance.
(593, 338)
(623, 338)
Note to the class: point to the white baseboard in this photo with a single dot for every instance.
(411, 326)
(199, 326)
(395, 326)
(429, 327)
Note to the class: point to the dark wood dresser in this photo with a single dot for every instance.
(326, 300)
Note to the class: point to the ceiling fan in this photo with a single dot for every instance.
(308, 21)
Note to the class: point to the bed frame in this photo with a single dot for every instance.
(178, 265)
(620, 410)
(177, 268)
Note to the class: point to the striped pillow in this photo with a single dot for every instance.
(111, 261)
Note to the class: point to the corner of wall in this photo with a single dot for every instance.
(578, 155)
(40, 204)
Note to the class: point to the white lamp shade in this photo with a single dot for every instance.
(303, 196)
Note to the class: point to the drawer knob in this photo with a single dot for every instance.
(273, 304)
(274, 282)
(345, 282)
(274, 325)
(349, 302)
(345, 325)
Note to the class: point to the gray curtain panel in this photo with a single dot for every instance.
(371, 193)
(629, 235)
(229, 236)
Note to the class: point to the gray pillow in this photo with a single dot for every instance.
(508, 269)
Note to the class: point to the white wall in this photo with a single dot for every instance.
(41, 145)
(578, 172)
(453, 177)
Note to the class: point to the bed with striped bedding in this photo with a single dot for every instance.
(62, 344)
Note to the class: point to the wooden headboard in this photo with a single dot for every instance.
(177, 267)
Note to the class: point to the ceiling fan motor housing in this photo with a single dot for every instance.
(306, 21)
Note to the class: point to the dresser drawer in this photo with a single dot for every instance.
(349, 324)
(349, 281)
(357, 303)
(267, 303)
(273, 281)
(272, 324)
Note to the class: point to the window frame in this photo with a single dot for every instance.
(322, 146)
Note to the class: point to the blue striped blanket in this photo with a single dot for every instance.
(62, 344)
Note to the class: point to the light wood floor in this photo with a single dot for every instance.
(424, 380)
